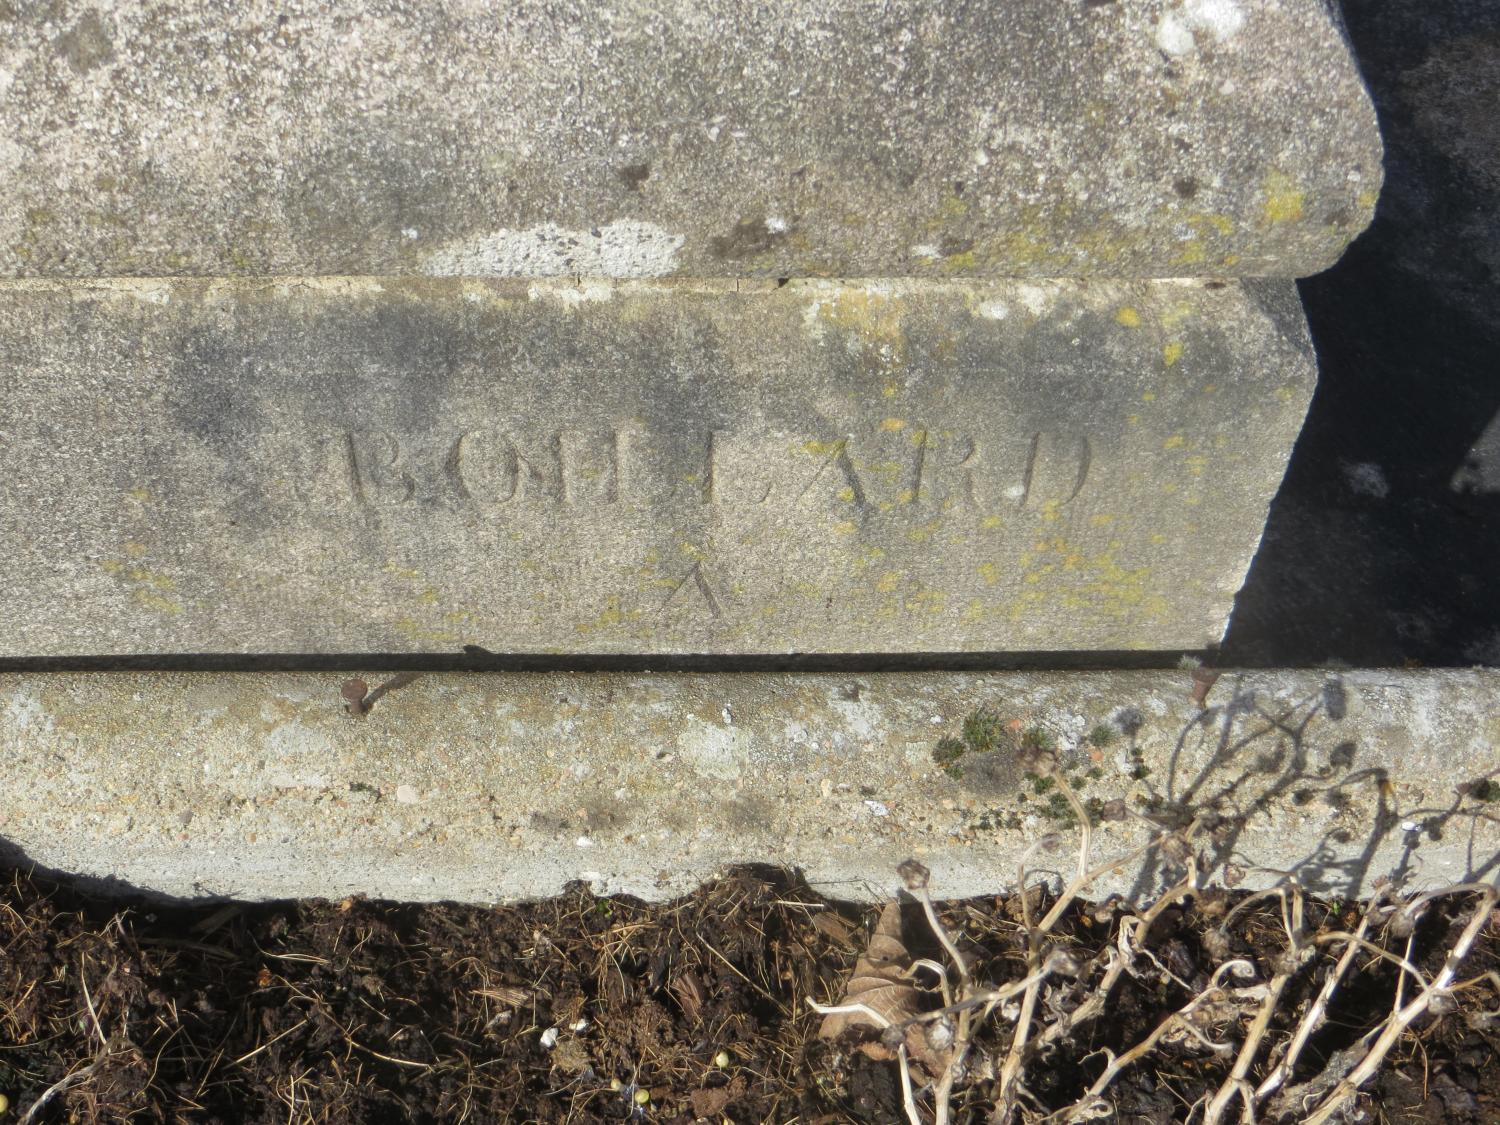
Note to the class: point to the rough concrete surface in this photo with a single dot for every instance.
(499, 787)
(720, 138)
(353, 465)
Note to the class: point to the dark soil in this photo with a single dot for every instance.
(693, 1010)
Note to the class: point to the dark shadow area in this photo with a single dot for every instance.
(1383, 542)
(476, 659)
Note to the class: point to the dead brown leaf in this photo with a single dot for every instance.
(832, 926)
(508, 996)
(881, 981)
(687, 990)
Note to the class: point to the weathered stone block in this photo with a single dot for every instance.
(388, 466)
(694, 138)
(486, 787)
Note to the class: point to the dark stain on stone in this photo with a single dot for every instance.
(1338, 217)
(86, 44)
(634, 175)
(1186, 186)
(748, 238)
(950, 246)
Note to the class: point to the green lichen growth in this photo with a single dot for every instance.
(1485, 790)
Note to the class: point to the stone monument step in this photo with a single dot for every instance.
(412, 466)
(500, 787)
(691, 138)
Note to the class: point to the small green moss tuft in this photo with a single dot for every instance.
(1102, 735)
(948, 751)
(1059, 809)
(982, 731)
(1039, 783)
(1036, 739)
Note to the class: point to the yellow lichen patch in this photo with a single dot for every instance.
(1365, 200)
(140, 495)
(959, 263)
(950, 209)
(990, 573)
(927, 601)
(1284, 394)
(891, 425)
(610, 616)
(1222, 224)
(1127, 317)
(1191, 254)
(974, 612)
(876, 318)
(1171, 352)
(906, 496)
(846, 494)
(1148, 396)
(925, 532)
(135, 550)
(148, 578)
(890, 390)
(1283, 199)
(422, 633)
(990, 523)
(150, 600)
(845, 527)
(402, 571)
(1102, 519)
(1176, 441)
(888, 581)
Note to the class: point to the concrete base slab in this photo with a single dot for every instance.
(498, 787)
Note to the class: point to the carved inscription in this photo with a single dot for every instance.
(494, 469)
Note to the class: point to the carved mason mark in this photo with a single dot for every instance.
(694, 582)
